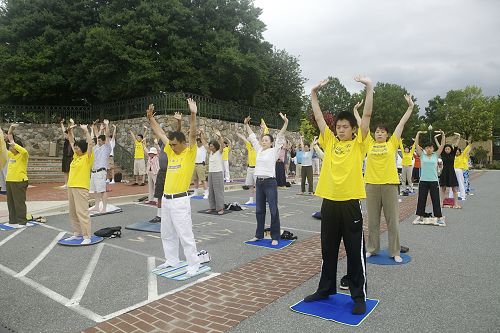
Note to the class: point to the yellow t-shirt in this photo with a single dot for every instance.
(139, 150)
(462, 161)
(341, 177)
(180, 169)
(17, 171)
(407, 158)
(225, 153)
(381, 161)
(79, 170)
(252, 154)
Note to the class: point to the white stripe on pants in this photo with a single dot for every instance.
(176, 224)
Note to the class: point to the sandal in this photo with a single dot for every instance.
(220, 212)
(457, 207)
(209, 210)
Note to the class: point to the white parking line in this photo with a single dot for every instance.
(40, 257)
(84, 282)
(152, 284)
(6, 239)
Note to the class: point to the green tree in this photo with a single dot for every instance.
(431, 111)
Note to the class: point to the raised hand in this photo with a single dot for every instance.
(363, 79)
(192, 105)
(358, 104)
(84, 127)
(14, 125)
(457, 134)
(409, 100)
(421, 132)
(314, 141)
(114, 126)
(102, 127)
(217, 132)
(178, 115)
(150, 112)
(145, 127)
(320, 85)
(71, 121)
(155, 141)
(246, 121)
(95, 121)
(62, 121)
(283, 116)
(106, 122)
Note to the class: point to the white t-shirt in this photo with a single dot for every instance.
(215, 162)
(112, 142)
(101, 155)
(307, 158)
(265, 163)
(201, 155)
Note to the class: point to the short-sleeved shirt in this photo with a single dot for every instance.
(201, 155)
(299, 156)
(407, 157)
(252, 154)
(215, 162)
(381, 162)
(101, 156)
(428, 168)
(225, 153)
(341, 177)
(462, 161)
(17, 170)
(307, 158)
(139, 150)
(79, 171)
(180, 169)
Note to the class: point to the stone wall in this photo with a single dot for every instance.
(37, 137)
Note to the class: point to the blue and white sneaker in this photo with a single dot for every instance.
(440, 222)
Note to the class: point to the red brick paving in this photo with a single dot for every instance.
(218, 304)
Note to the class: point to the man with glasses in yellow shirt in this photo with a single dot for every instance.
(341, 186)
(176, 223)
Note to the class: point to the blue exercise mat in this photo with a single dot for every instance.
(250, 205)
(145, 226)
(179, 271)
(6, 227)
(282, 243)
(382, 258)
(336, 308)
(78, 242)
(197, 197)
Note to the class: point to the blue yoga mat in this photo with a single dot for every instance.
(5, 227)
(178, 272)
(78, 242)
(382, 258)
(197, 197)
(282, 243)
(336, 308)
(145, 226)
(250, 205)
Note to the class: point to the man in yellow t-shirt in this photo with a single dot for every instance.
(139, 162)
(79, 184)
(341, 186)
(251, 158)
(176, 223)
(16, 180)
(225, 159)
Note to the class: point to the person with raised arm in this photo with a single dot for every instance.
(251, 156)
(100, 168)
(341, 186)
(265, 173)
(111, 159)
(79, 184)
(199, 175)
(429, 181)
(176, 222)
(16, 180)
(215, 172)
(307, 168)
(139, 162)
(407, 164)
(226, 148)
(461, 166)
(448, 178)
(67, 154)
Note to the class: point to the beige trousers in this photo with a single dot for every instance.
(79, 211)
(377, 197)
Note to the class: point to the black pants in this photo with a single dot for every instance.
(280, 173)
(423, 189)
(342, 220)
(307, 172)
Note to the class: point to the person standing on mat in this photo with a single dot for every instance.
(461, 166)
(162, 172)
(16, 180)
(199, 175)
(265, 173)
(382, 181)
(215, 172)
(67, 153)
(139, 163)
(79, 184)
(250, 179)
(448, 178)
(307, 168)
(100, 168)
(176, 223)
(429, 181)
(407, 163)
(225, 159)
(341, 186)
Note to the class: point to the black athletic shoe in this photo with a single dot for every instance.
(315, 297)
(359, 308)
(404, 249)
(344, 283)
(157, 219)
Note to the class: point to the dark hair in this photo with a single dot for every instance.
(345, 115)
(447, 145)
(198, 140)
(382, 127)
(102, 137)
(65, 131)
(226, 142)
(270, 137)
(428, 144)
(141, 136)
(458, 149)
(95, 140)
(16, 140)
(215, 143)
(307, 144)
(176, 135)
(82, 144)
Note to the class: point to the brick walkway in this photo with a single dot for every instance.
(224, 301)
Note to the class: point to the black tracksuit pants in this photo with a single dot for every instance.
(342, 220)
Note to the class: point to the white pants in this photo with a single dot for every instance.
(176, 224)
(315, 166)
(151, 185)
(461, 184)
(225, 166)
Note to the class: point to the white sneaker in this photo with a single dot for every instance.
(205, 196)
(398, 259)
(164, 265)
(254, 239)
(112, 182)
(368, 254)
(441, 223)
(107, 181)
(63, 186)
(86, 241)
(249, 202)
(73, 238)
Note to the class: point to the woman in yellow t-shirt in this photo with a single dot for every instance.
(382, 181)
(78, 186)
(225, 159)
(407, 167)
